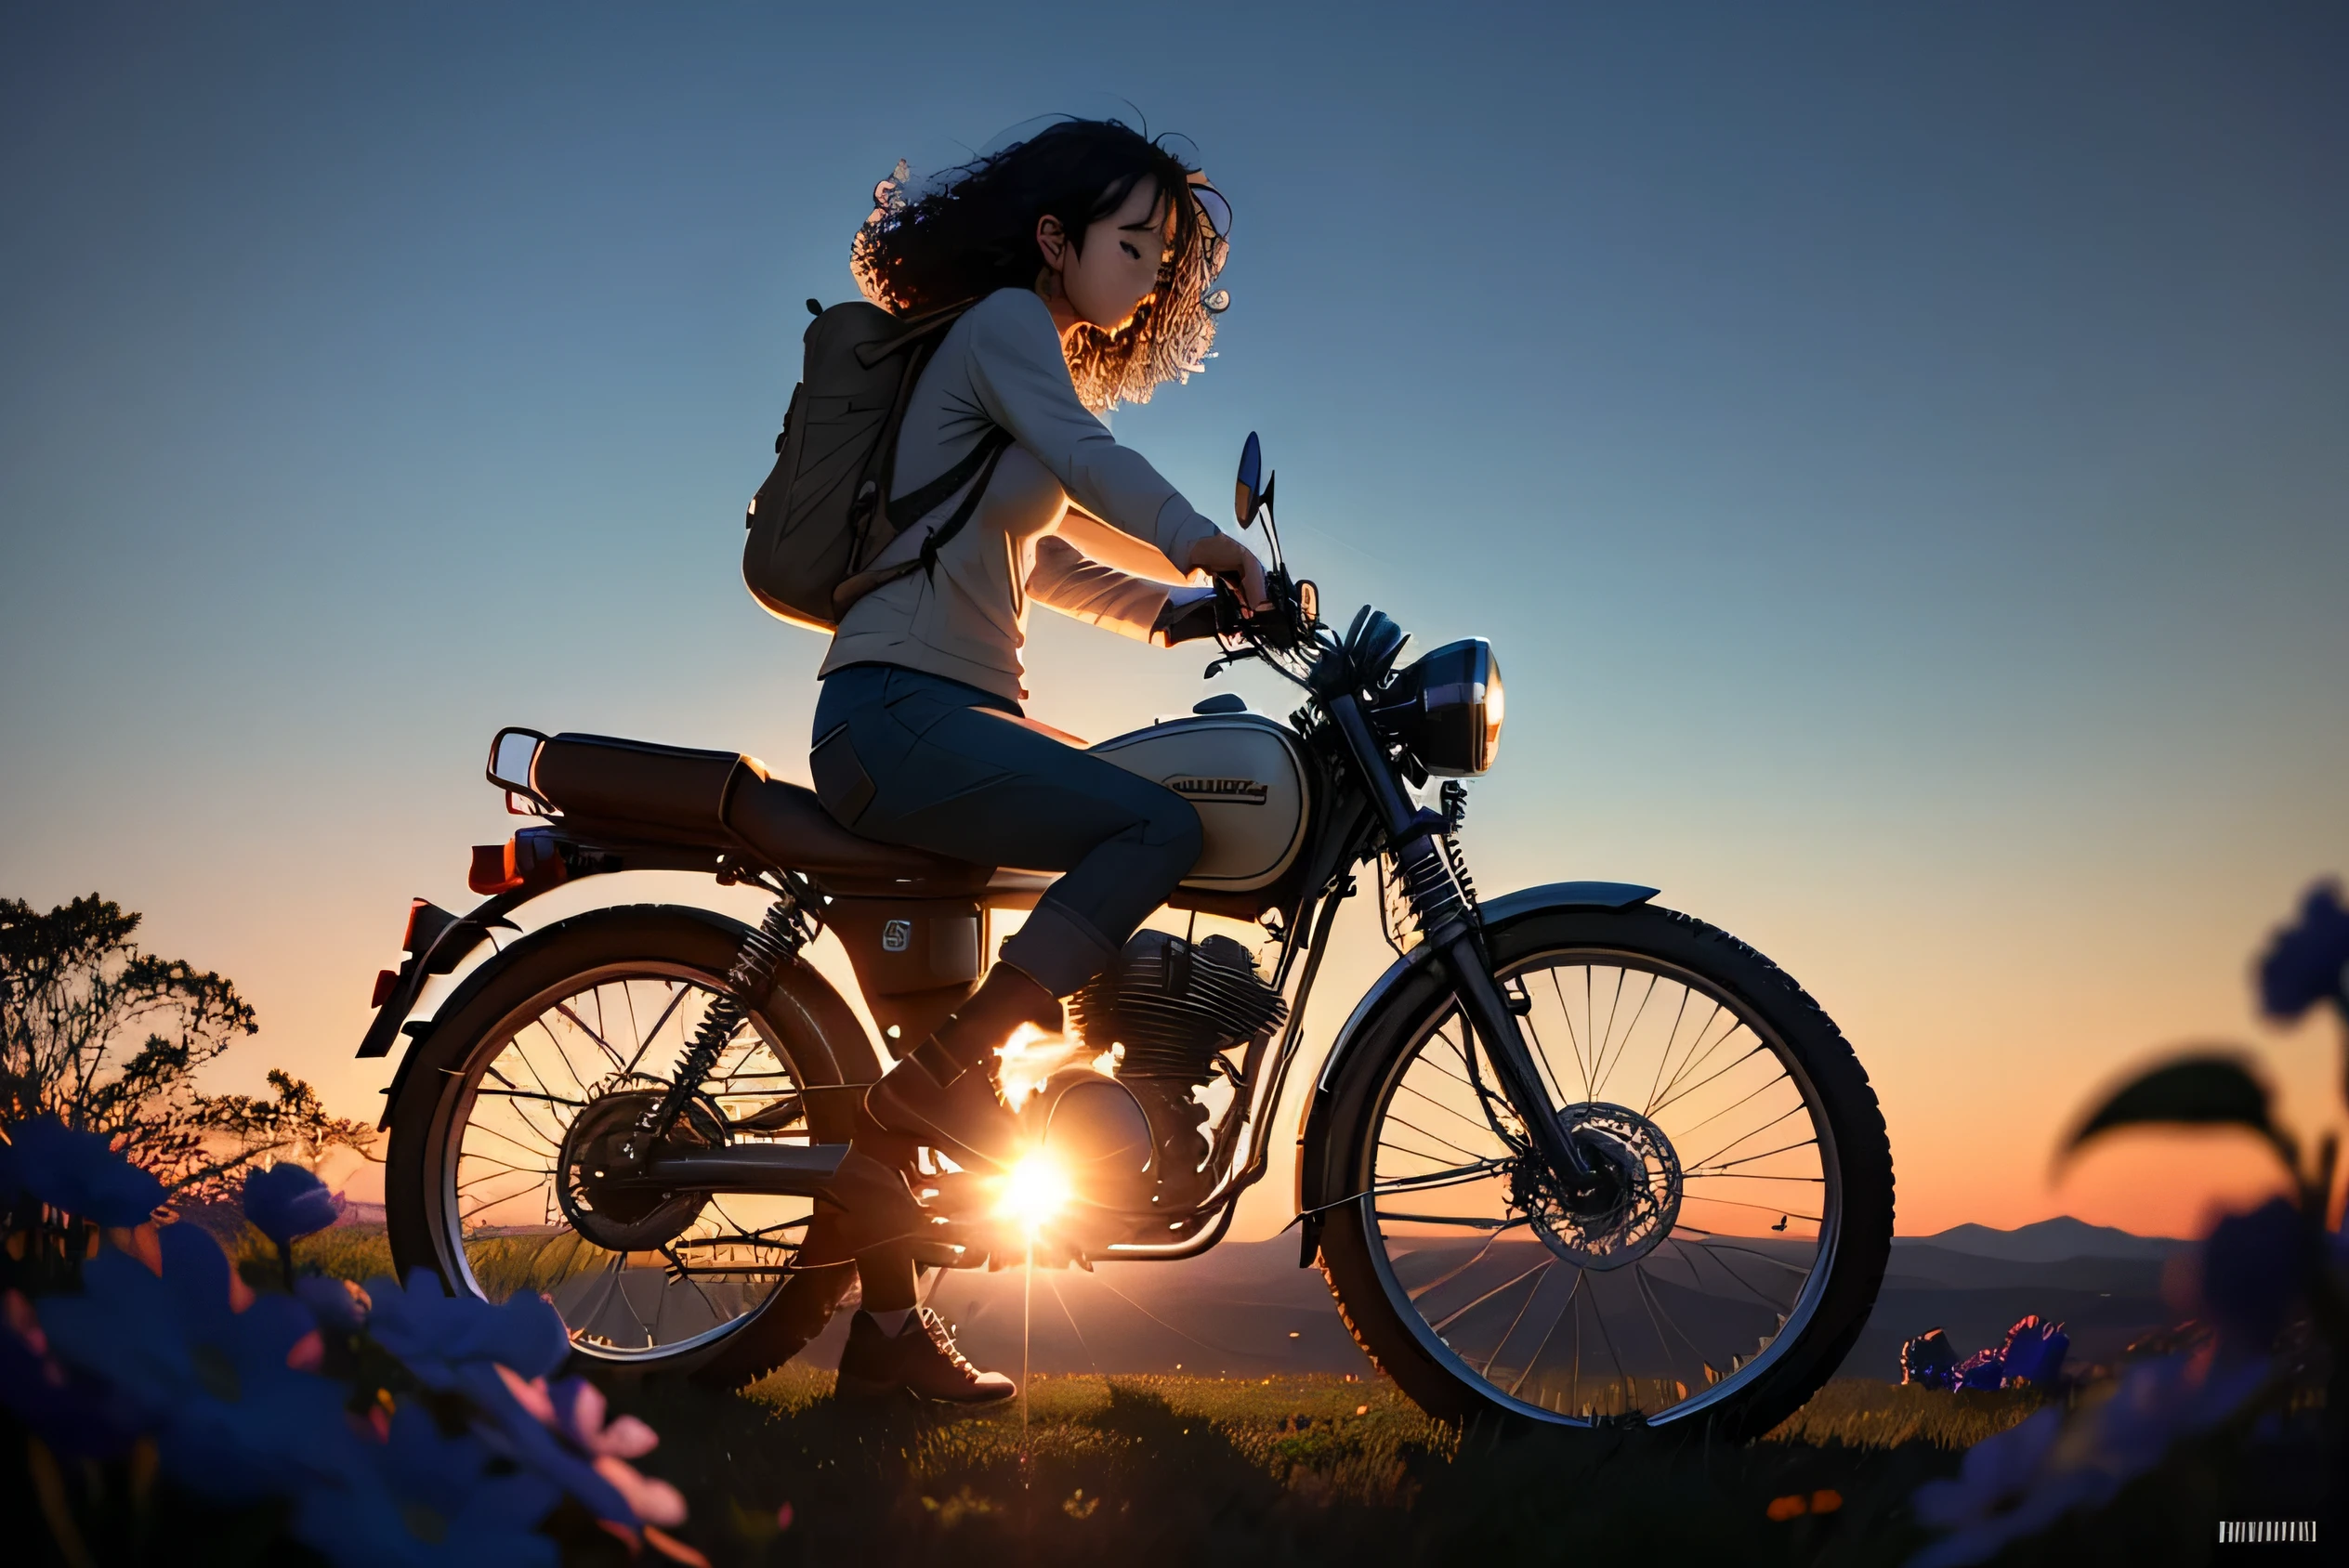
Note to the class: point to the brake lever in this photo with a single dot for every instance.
(1231, 616)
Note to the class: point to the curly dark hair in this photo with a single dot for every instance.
(973, 231)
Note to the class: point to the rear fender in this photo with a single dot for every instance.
(828, 1041)
(438, 943)
(1321, 1183)
(535, 861)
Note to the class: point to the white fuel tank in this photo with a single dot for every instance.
(1246, 774)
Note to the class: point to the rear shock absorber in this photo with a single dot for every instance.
(777, 939)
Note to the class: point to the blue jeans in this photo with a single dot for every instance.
(916, 759)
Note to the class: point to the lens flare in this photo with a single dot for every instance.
(1027, 1058)
(1033, 1191)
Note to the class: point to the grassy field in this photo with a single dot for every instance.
(1123, 1471)
(1283, 1470)
(1317, 1469)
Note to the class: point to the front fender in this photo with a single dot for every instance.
(1319, 1182)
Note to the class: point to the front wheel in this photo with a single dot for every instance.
(1734, 1246)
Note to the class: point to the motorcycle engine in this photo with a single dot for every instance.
(1166, 1009)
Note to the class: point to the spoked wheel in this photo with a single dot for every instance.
(499, 1177)
(1732, 1245)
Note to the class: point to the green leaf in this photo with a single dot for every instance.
(2199, 1090)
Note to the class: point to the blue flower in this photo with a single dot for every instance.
(438, 1336)
(2252, 1268)
(1983, 1369)
(423, 1497)
(336, 1303)
(1998, 1494)
(1928, 1360)
(286, 1203)
(2305, 964)
(2035, 1352)
(78, 1172)
(498, 1356)
(77, 1416)
(2023, 1480)
(231, 1416)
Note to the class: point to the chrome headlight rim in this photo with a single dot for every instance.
(1445, 709)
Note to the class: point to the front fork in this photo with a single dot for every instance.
(1495, 1023)
(1449, 925)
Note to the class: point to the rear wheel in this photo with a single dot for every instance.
(562, 1040)
(1744, 1219)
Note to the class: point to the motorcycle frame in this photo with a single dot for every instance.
(1369, 814)
(1342, 839)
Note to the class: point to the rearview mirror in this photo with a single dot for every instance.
(1245, 496)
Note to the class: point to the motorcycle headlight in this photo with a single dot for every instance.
(1446, 709)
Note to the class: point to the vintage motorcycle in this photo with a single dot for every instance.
(1574, 1159)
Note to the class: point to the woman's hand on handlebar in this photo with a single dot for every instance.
(1225, 556)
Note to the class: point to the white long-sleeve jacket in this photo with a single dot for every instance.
(1070, 520)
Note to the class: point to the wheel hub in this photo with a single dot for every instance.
(627, 1218)
(1630, 1206)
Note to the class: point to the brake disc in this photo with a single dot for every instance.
(1631, 1209)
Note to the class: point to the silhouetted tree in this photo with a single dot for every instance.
(76, 992)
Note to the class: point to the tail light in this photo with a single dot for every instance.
(530, 859)
(386, 979)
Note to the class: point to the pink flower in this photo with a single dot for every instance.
(655, 1502)
(573, 1410)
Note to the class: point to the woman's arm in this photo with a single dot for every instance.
(1065, 579)
(1114, 547)
(1021, 381)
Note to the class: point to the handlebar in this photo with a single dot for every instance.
(1286, 623)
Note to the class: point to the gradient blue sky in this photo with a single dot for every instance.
(1897, 452)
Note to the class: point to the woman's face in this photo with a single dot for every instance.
(1104, 283)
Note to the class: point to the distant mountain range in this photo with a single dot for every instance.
(2045, 1241)
(1246, 1308)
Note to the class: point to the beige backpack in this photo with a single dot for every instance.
(825, 512)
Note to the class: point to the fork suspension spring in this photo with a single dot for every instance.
(1435, 880)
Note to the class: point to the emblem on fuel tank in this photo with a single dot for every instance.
(1229, 791)
(897, 936)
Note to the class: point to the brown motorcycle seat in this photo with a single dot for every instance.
(724, 800)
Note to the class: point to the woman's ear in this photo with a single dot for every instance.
(1052, 243)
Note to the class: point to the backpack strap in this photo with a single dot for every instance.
(993, 444)
(916, 329)
(919, 503)
(870, 512)
(975, 469)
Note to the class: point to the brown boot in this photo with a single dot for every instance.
(871, 1205)
(943, 1094)
(966, 1120)
(920, 1360)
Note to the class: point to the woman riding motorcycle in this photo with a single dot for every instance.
(1089, 250)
